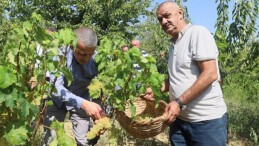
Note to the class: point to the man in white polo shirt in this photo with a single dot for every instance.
(197, 111)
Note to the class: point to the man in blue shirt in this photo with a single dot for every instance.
(74, 98)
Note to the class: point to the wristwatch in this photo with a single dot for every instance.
(181, 105)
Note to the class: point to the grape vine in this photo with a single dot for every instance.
(22, 78)
(119, 77)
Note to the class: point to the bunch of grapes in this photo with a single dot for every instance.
(144, 117)
(100, 125)
(95, 88)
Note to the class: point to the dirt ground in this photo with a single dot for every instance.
(124, 139)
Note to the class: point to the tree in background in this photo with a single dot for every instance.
(106, 17)
(238, 44)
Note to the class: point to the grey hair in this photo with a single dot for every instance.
(86, 36)
(166, 2)
(172, 2)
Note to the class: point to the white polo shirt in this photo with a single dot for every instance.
(195, 43)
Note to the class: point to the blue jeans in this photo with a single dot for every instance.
(204, 133)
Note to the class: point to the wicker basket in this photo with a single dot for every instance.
(144, 128)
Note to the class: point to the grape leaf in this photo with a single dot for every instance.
(67, 74)
(144, 60)
(10, 100)
(2, 97)
(67, 36)
(24, 107)
(17, 136)
(54, 142)
(6, 78)
(133, 110)
(11, 58)
(61, 137)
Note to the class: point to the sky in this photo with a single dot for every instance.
(202, 12)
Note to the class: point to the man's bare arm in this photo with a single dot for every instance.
(206, 78)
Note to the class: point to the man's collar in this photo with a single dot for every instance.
(185, 28)
(180, 35)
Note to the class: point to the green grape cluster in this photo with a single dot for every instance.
(144, 117)
(95, 88)
(100, 125)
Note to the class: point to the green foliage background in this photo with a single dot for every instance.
(22, 30)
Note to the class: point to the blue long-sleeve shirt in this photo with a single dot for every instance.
(74, 94)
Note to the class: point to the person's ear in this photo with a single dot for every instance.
(181, 12)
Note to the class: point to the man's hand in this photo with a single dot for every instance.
(92, 109)
(149, 95)
(173, 110)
